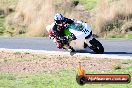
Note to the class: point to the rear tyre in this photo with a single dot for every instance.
(96, 46)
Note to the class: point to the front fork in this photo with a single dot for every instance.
(87, 42)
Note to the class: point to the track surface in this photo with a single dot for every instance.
(112, 47)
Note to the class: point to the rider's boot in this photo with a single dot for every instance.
(71, 49)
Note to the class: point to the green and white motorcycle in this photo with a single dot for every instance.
(84, 39)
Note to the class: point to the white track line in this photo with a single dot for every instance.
(111, 56)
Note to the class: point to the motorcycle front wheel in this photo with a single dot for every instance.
(96, 46)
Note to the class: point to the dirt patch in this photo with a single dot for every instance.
(36, 63)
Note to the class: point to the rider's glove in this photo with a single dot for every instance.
(73, 36)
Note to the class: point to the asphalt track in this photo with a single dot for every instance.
(119, 47)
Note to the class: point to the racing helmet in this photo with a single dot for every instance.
(58, 18)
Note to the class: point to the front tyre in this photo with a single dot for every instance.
(96, 46)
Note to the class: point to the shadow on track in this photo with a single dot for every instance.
(117, 52)
(91, 52)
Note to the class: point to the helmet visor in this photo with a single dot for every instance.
(59, 21)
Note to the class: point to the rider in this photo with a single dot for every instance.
(60, 23)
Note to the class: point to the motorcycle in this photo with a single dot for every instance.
(79, 35)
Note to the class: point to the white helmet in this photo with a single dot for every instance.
(58, 17)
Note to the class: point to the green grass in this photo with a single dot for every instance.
(4, 4)
(62, 79)
(2, 27)
(88, 4)
(129, 35)
(10, 31)
(8, 2)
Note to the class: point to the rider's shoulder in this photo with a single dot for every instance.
(67, 19)
(54, 26)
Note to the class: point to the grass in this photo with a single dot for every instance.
(111, 16)
(32, 25)
(129, 35)
(4, 7)
(2, 27)
(62, 79)
(8, 2)
(117, 67)
(36, 22)
(65, 78)
(88, 4)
